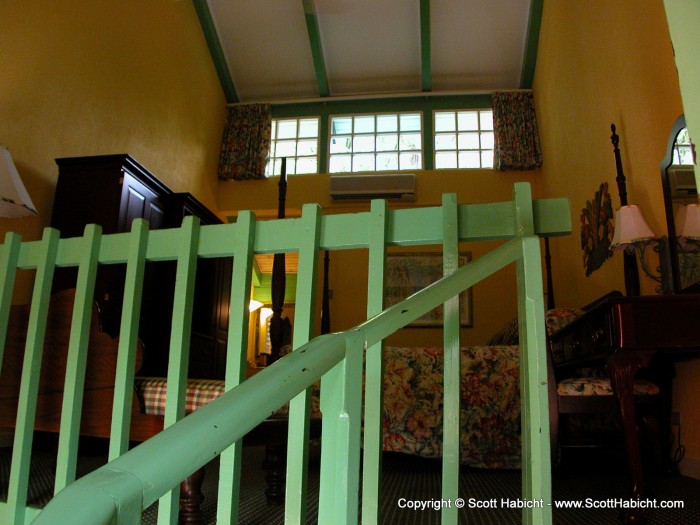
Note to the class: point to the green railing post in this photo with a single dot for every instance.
(341, 404)
(374, 367)
(76, 361)
(241, 277)
(451, 365)
(536, 463)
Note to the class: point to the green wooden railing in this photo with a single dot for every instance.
(131, 481)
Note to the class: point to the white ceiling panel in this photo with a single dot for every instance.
(370, 46)
(477, 44)
(266, 46)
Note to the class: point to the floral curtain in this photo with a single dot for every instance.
(246, 142)
(516, 141)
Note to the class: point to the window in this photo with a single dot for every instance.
(380, 142)
(683, 149)
(295, 139)
(464, 139)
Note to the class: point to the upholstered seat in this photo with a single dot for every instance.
(600, 386)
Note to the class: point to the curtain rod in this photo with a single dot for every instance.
(344, 98)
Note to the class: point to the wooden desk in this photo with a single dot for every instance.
(665, 328)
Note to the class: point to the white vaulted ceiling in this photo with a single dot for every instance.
(285, 50)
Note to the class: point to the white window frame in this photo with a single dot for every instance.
(356, 137)
(274, 161)
(481, 137)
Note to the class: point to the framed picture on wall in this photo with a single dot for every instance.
(408, 273)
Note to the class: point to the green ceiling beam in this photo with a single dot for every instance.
(531, 43)
(316, 49)
(217, 54)
(426, 75)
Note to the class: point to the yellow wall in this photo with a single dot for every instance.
(128, 77)
(348, 269)
(601, 63)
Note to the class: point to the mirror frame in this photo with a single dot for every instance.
(666, 163)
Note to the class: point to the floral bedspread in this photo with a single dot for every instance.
(490, 404)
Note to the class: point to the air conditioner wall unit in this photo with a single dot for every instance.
(400, 186)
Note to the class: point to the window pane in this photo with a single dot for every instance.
(446, 141)
(341, 125)
(410, 141)
(363, 143)
(445, 121)
(410, 122)
(364, 124)
(273, 129)
(387, 142)
(291, 167)
(486, 118)
(469, 159)
(487, 140)
(285, 148)
(286, 129)
(468, 141)
(387, 123)
(468, 120)
(341, 145)
(410, 161)
(307, 165)
(307, 147)
(487, 159)
(308, 127)
(340, 164)
(363, 162)
(446, 160)
(387, 161)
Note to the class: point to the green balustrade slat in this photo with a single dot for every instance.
(374, 367)
(9, 254)
(29, 385)
(186, 240)
(451, 368)
(307, 235)
(243, 236)
(128, 339)
(76, 361)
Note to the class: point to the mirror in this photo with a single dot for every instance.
(678, 180)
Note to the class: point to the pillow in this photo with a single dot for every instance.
(554, 320)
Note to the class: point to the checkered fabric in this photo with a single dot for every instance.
(199, 392)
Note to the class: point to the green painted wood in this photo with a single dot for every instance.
(128, 340)
(341, 404)
(29, 386)
(179, 354)
(532, 40)
(237, 343)
(451, 368)
(426, 73)
(374, 367)
(76, 362)
(308, 237)
(316, 47)
(226, 420)
(9, 255)
(215, 50)
(534, 400)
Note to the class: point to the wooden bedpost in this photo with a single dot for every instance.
(279, 279)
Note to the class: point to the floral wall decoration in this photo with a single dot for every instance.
(597, 229)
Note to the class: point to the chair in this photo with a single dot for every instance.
(579, 383)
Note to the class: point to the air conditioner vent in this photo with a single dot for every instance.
(400, 186)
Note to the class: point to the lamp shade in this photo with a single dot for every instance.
(688, 222)
(630, 228)
(14, 199)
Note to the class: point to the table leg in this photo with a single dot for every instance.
(622, 367)
(191, 498)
